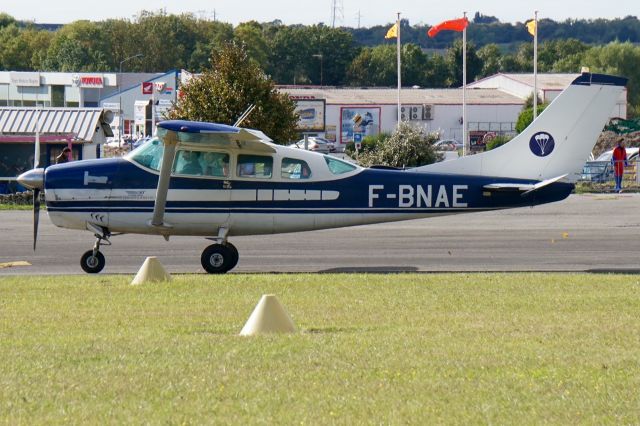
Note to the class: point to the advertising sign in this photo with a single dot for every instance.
(31, 79)
(147, 87)
(140, 112)
(311, 114)
(91, 81)
(360, 121)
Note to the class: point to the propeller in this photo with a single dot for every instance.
(36, 215)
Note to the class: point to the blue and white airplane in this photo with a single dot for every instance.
(219, 181)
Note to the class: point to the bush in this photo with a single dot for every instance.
(369, 143)
(526, 117)
(408, 146)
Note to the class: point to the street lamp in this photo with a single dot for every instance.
(120, 109)
(319, 55)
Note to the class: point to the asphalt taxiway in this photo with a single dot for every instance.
(590, 232)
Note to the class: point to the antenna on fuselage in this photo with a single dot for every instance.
(244, 115)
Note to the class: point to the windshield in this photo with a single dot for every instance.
(338, 167)
(149, 154)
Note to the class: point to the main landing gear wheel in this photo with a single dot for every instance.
(219, 258)
(91, 263)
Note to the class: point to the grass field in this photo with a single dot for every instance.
(418, 349)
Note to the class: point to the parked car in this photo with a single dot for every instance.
(316, 144)
(447, 145)
(601, 170)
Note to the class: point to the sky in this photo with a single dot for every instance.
(367, 12)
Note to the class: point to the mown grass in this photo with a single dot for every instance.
(409, 348)
(11, 206)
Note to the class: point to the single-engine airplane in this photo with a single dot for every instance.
(218, 181)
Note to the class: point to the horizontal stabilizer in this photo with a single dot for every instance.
(525, 188)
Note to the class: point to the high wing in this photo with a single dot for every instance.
(174, 133)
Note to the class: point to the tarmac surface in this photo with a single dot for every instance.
(592, 232)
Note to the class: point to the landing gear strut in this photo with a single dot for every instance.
(92, 261)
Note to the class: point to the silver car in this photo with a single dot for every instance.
(316, 144)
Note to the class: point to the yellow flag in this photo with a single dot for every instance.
(393, 31)
(531, 27)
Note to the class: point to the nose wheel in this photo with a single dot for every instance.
(219, 258)
(92, 261)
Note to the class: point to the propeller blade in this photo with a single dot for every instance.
(36, 215)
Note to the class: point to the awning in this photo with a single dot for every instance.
(55, 124)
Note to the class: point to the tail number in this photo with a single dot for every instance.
(420, 196)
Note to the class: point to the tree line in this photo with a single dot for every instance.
(318, 54)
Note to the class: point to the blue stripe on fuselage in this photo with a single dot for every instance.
(371, 189)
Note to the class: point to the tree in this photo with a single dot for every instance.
(454, 61)
(408, 146)
(224, 91)
(526, 117)
(251, 35)
(490, 56)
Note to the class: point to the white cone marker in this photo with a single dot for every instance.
(151, 271)
(269, 316)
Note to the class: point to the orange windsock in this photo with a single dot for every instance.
(452, 25)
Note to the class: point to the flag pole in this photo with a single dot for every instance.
(535, 65)
(464, 90)
(399, 75)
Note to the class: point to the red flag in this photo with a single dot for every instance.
(453, 25)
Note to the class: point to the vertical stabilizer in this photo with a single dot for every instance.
(558, 142)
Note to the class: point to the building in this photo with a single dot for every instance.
(144, 102)
(81, 129)
(329, 112)
(90, 90)
(548, 85)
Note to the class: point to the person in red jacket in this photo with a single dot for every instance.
(619, 162)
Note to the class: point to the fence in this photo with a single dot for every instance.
(598, 176)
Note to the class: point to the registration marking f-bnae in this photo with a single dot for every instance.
(421, 196)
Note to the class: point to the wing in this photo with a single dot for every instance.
(217, 135)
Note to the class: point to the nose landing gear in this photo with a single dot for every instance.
(92, 261)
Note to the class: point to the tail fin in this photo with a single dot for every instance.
(558, 142)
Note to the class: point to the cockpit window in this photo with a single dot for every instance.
(338, 167)
(201, 163)
(149, 154)
(295, 169)
(255, 166)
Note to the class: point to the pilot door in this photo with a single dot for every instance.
(200, 186)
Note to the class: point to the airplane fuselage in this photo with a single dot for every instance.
(118, 194)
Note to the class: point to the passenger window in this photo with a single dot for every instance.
(295, 169)
(215, 164)
(187, 163)
(338, 167)
(254, 166)
(149, 154)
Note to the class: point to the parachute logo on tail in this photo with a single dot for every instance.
(542, 144)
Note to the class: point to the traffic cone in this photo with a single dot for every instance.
(269, 316)
(151, 271)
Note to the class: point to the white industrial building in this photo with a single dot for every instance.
(328, 112)
(548, 86)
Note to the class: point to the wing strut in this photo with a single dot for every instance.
(170, 140)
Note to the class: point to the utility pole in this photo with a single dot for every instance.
(337, 12)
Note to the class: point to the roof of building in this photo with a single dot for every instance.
(82, 123)
(388, 96)
(545, 81)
